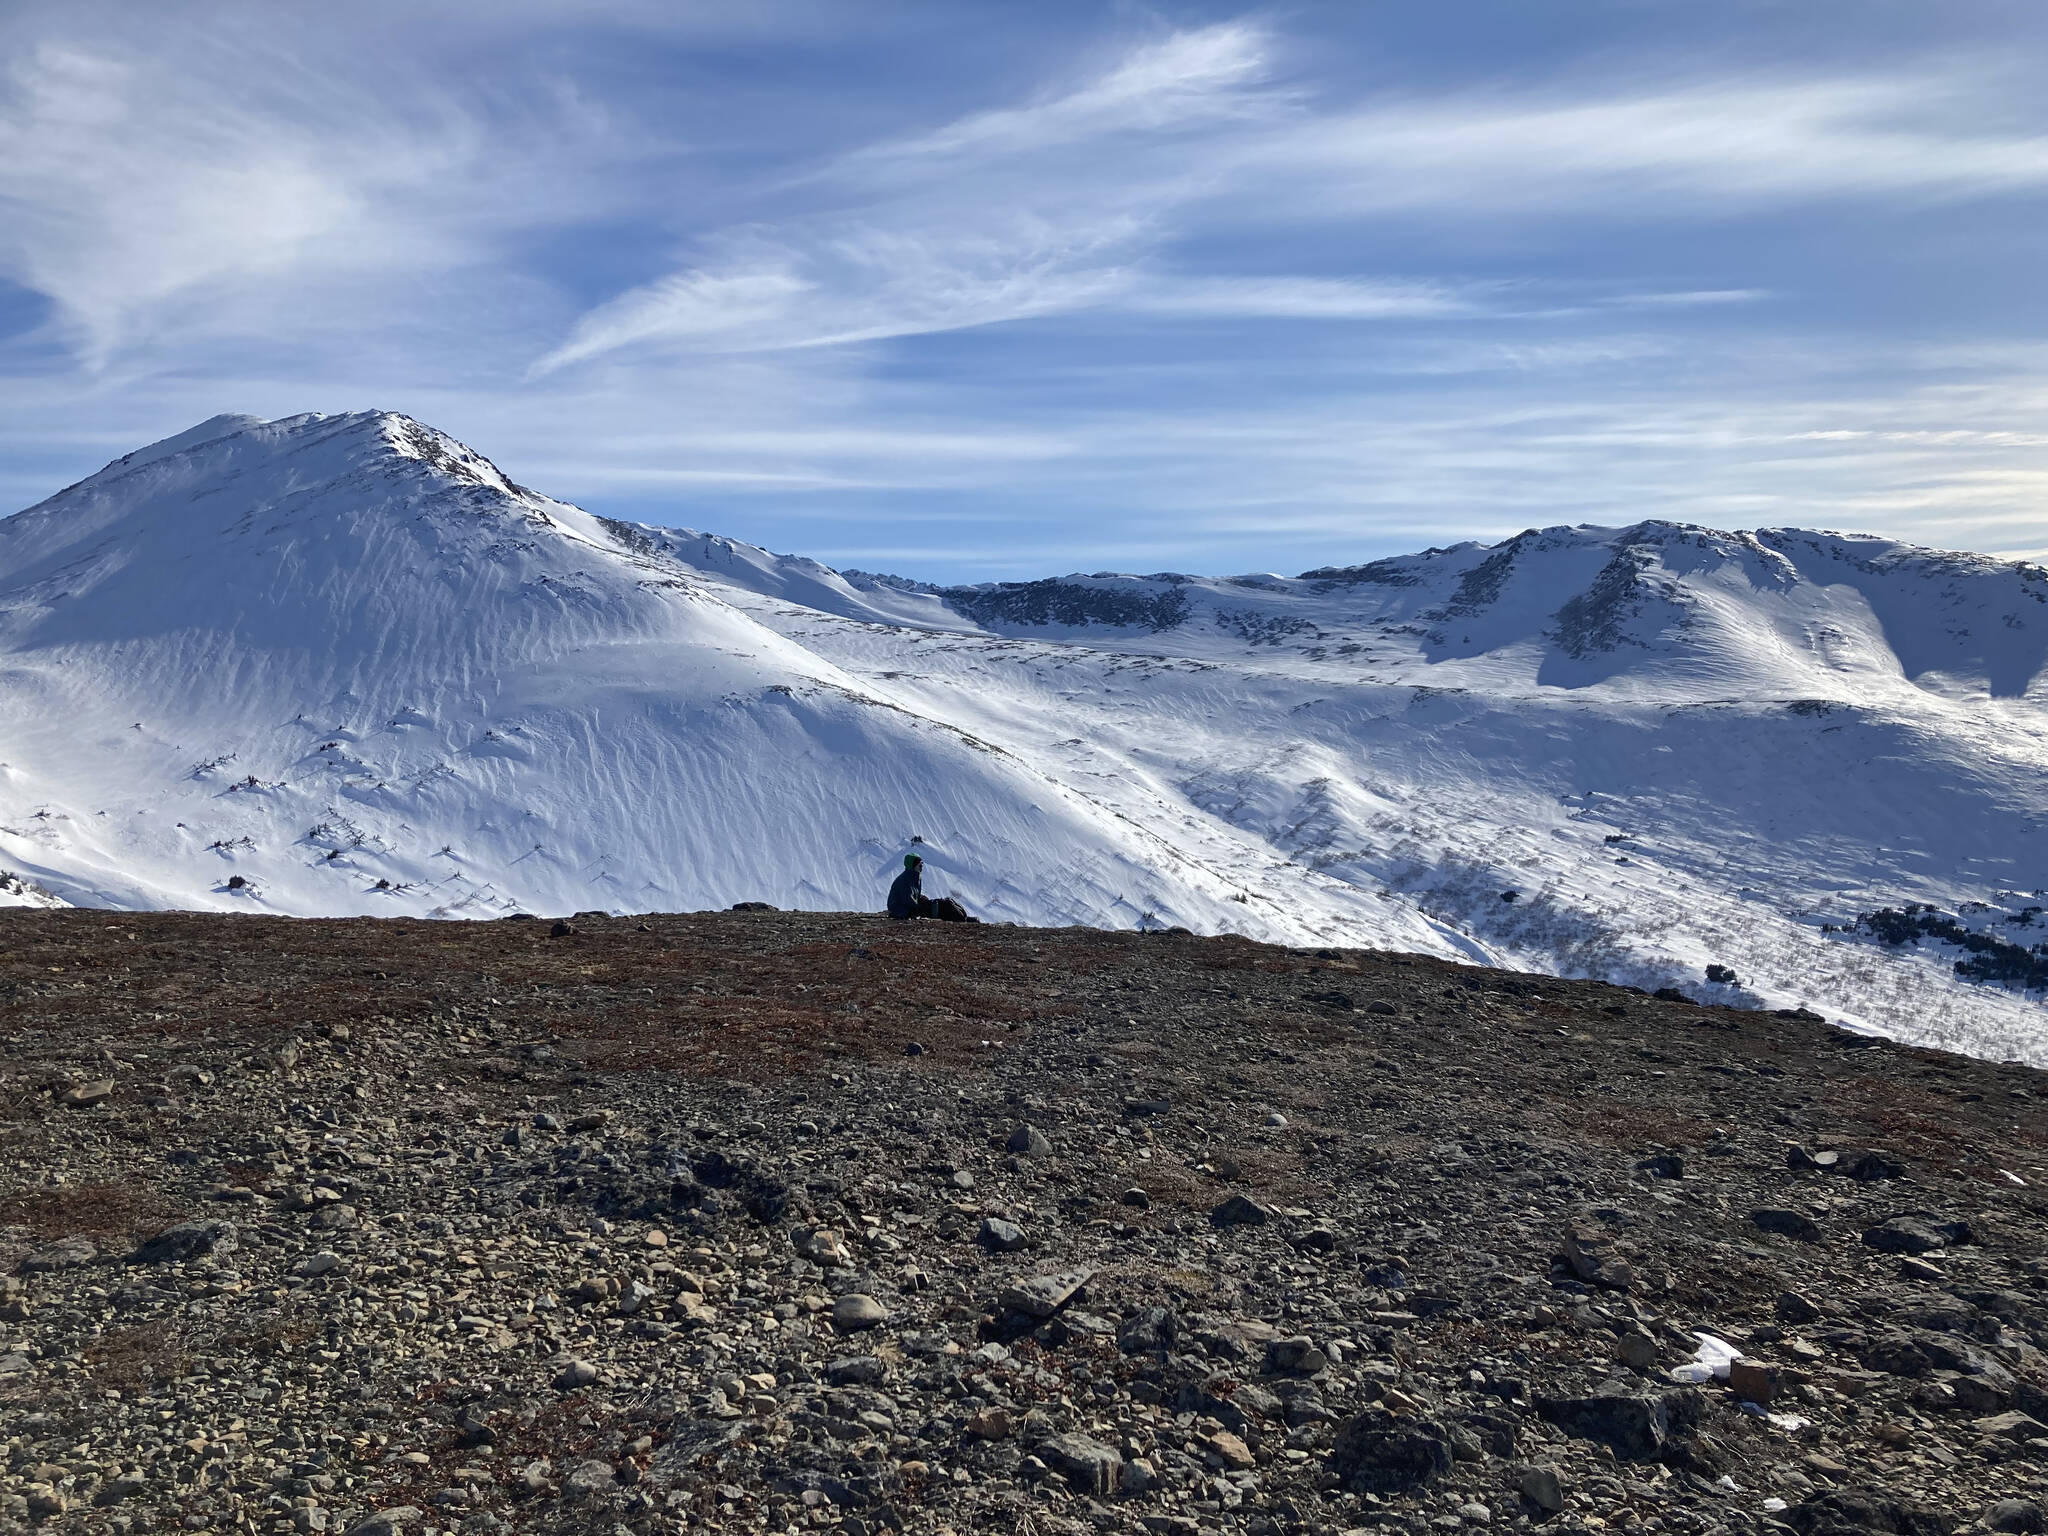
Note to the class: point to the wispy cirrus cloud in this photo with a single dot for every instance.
(1690, 147)
(1297, 298)
(210, 187)
(980, 221)
(835, 285)
(1184, 81)
(1284, 288)
(1085, 199)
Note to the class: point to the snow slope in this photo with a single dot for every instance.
(328, 652)
(345, 660)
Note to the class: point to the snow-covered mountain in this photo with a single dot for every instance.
(340, 664)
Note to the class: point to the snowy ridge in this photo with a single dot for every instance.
(344, 659)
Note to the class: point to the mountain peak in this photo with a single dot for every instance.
(225, 444)
(437, 450)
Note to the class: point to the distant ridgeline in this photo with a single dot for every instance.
(1106, 598)
(1990, 957)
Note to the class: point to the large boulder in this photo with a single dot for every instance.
(65, 1253)
(1377, 1452)
(1089, 1466)
(188, 1240)
(1635, 1428)
(1916, 1232)
(1590, 1250)
(1863, 1512)
(1150, 1330)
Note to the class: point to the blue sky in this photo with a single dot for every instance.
(971, 291)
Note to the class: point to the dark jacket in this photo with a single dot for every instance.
(906, 896)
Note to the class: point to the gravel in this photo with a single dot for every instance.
(657, 1226)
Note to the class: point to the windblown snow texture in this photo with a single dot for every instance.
(341, 664)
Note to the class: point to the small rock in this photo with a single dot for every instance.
(120, 1489)
(1981, 1394)
(1896, 1354)
(1915, 1232)
(2009, 1426)
(1752, 1381)
(1043, 1295)
(1240, 1211)
(1637, 1351)
(1795, 1308)
(386, 1522)
(42, 1499)
(1135, 1197)
(1151, 1330)
(1475, 1514)
(1276, 1121)
(1377, 1452)
(1296, 1356)
(1383, 1008)
(188, 1240)
(65, 1253)
(1089, 1466)
(857, 1310)
(1227, 1450)
(1635, 1428)
(1000, 1235)
(588, 1479)
(577, 1373)
(2020, 1517)
(635, 1296)
(1138, 1109)
(991, 1424)
(1028, 1141)
(1591, 1253)
(1786, 1222)
(1840, 1512)
(857, 1371)
(1540, 1486)
(823, 1246)
(1871, 1167)
(85, 1095)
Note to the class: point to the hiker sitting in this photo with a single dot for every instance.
(907, 898)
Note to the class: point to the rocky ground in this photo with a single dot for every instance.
(760, 1221)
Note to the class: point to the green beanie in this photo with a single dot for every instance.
(911, 858)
